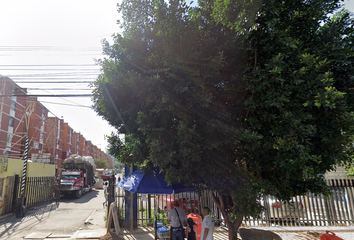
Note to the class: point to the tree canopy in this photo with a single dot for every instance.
(101, 163)
(242, 98)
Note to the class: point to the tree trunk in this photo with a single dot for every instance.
(232, 226)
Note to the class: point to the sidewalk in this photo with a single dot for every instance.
(286, 233)
(148, 234)
(94, 229)
(310, 233)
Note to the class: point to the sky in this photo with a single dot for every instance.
(58, 40)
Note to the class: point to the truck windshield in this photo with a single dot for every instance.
(71, 176)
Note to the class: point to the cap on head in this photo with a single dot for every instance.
(176, 203)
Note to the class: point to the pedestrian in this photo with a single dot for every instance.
(177, 216)
(191, 232)
(119, 179)
(207, 225)
(105, 192)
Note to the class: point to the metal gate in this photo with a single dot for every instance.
(6, 199)
(39, 191)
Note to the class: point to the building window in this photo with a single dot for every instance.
(40, 146)
(11, 121)
(13, 105)
(56, 152)
(9, 137)
(14, 89)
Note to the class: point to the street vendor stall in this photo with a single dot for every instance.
(152, 183)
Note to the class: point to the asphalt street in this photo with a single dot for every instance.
(64, 218)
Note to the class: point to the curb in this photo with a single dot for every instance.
(309, 230)
(89, 218)
(6, 216)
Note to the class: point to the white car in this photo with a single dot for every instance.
(283, 211)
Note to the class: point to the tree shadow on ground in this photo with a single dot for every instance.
(11, 224)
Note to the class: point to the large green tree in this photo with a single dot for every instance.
(101, 163)
(240, 98)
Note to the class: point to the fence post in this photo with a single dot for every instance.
(131, 203)
(111, 195)
(15, 194)
(149, 206)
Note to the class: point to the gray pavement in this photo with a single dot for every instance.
(310, 233)
(63, 219)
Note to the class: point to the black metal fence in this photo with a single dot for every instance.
(149, 204)
(120, 200)
(307, 210)
(39, 191)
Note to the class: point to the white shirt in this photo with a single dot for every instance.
(172, 216)
(208, 223)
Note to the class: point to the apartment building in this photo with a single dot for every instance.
(54, 140)
(37, 130)
(12, 118)
(51, 139)
(88, 148)
(82, 147)
(67, 141)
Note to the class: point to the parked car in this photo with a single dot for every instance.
(292, 210)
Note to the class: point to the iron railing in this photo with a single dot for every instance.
(39, 191)
(306, 210)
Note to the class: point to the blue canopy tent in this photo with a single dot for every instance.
(151, 183)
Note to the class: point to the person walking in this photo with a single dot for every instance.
(177, 216)
(191, 232)
(105, 192)
(207, 225)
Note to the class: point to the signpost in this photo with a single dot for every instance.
(112, 214)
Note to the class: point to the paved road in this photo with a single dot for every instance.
(63, 219)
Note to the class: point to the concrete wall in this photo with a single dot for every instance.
(15, 166)
(40, 170)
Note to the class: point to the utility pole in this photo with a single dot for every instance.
(21, 206)
(2, 99)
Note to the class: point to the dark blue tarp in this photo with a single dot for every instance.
(150, 183)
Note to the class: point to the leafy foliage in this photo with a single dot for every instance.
(101, 163)
(242, 98)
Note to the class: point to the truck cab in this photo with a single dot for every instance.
(77, 177)
(72, 182)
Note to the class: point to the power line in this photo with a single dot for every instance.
(58, 74)
(54, 81)
(61, 89)
(47, 95)
(67, 100)
(48, 69)
(47, 65)
(66, 104)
